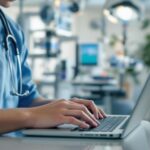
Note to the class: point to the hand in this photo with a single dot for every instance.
(98, 113)
(65, 112)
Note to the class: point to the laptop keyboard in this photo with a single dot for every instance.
(107, 124)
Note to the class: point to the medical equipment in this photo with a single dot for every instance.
(9, 42)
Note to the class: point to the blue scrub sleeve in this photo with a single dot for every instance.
(28, 83)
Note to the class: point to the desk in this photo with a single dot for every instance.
(137, 140)
(93, 82)
(96, 90)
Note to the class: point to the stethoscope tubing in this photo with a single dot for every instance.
(11, 38)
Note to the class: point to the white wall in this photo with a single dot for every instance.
(82, 25)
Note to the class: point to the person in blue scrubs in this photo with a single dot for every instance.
(34, 111)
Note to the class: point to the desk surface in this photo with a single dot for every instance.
(92, 82)
(137, 140)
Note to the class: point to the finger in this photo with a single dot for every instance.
(81, 115)
(100, 115)
(75, 121)
(89, 104)
(73, 105)
(102, 112)
(94, 108)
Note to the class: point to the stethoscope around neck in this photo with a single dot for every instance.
(9, 42)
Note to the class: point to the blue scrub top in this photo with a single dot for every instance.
(6, 99)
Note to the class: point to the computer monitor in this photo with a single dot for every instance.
(88, 54)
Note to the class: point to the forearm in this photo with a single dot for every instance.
(14, 119)
(51, 115)
(19, 118)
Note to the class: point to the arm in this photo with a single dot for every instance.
(49, 115)
(9, 121)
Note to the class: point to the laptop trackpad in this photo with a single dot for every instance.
(67, 126)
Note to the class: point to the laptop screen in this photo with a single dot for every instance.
(141, 108)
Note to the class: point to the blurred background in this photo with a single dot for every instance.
(90, 49)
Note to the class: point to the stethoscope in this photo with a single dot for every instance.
(10, 39)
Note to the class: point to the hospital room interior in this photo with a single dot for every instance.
(90, 49)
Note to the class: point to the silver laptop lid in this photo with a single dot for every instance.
(140, 110)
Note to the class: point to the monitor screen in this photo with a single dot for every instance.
(88, 54)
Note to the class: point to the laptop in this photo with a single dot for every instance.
(113, 126)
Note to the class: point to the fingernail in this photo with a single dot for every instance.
(96, 116)
(101, 116)
(105, 115)
(95, 124)
(87, 126)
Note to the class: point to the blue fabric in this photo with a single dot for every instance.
(6, 99)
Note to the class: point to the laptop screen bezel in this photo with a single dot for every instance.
(135, 120)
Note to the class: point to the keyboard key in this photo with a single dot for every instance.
(107, 124)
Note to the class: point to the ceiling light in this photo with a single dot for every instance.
(124, 11)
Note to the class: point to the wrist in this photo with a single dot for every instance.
(27, 117)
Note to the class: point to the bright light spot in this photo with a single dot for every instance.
(57, 3)
(110, 17)
(36, 23)
(106, 12)
(125, 13)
